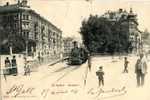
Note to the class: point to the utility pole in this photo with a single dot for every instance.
(10, 48)
(0, 66)
(0, 74)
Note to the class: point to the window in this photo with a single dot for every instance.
(27, 25)
(42, 29)
(15, 17)
(23, 25)
(25, 17)
(36, 35)
(132, 33)
(24, 34)
(27, 34)
(16, 25)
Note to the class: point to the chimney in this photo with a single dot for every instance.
(7, 3)
(120, 10)
(18, 2)
(24, 2)
(131, 11)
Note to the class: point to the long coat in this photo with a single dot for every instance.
(142, 65)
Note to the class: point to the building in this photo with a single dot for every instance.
(36, 35)
(130, 20)
(145, 41)
(67, 46)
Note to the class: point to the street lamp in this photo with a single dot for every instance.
(0, 71)
(10, 39)
(0, 75)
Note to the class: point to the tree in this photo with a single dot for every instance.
(9, 34)
(18, 45)
(101, 35)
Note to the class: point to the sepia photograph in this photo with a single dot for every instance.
(74, 49)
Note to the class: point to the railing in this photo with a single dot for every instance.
(9, 71)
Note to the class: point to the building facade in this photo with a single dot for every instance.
(36, 35)
(67, 46)
(130, 20)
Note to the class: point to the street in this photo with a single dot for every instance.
(61, 82)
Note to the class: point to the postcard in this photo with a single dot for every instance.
(74, 49)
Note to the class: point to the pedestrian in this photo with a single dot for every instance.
(126, 62)
(89, 62)
(100, 75)
(27, 68)
(141, 70)
(6, 71)
(7, 66)
(39, 58)
(14, 66)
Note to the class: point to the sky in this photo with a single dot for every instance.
(68, 14)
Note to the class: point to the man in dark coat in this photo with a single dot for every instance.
(14, 66)
(100, 74)
(7, 66)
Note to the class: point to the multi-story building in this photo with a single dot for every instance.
(39, 37)
(129, 19)
(67, 46)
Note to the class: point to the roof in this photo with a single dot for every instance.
(17, 7)
(9, 8)
(32, 11)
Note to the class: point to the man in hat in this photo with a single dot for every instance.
(100, 75)
(14, 66)
(141, 70)
(6, 71)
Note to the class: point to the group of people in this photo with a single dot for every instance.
(140, 70)
(11, 66)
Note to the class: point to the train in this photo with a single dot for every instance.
(78, 56)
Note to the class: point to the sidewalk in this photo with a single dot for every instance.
(41, 71)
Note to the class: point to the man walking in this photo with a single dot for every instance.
(126, 62)
(100, 74)
(141, 70)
